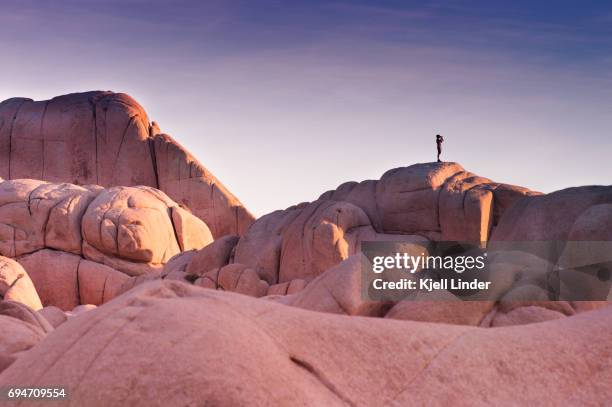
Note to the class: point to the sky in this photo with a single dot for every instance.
(283, 100)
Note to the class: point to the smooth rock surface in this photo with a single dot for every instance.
(16, 285)
(265, 353)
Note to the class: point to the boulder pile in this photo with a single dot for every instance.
(131, 276)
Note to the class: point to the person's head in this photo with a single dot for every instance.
(438, 136)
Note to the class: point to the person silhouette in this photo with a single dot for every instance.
(439, 141)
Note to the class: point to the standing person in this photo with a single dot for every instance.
(439, 141)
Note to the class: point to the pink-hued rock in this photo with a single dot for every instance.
(24, 313)
(215, 255)
(551, 217)
(465, 208)
(98, 283)
(179, 263)
(53, 315)
(260, 247)
(136, 281)
(191, 232)
(16, 337)
(436, 201)
(186, 181)
(338, 291)
(132, 229)
(105, 138)
(525, 315)
(269, 354)
(236, 278)
(587, 255)
(448, 312)
(322, 236)
(81, 309)
(594, 224)
(407, 197)
(16, 285)
(287, 288)
(66, 280)
(54, 275)
(38, 214)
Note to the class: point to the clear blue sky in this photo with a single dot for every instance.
(283, 100)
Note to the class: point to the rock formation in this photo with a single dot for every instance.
(106, 139)
(131, 276)
(421, 202)
(80, 244)
(193, 346)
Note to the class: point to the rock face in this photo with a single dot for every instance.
(105, 138)
(15, 284)
(139, 221)
(436, 201)
(553, 216)
(80, 244)
(308, 253)
(268, 354)
(16, 337)
(133, 229)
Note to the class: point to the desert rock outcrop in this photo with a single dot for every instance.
(435, 201)
(79, 244)
(106, 139)
(265, 353)
(16, 285)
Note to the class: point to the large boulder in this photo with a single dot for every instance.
(338, 291)
(551, 217)
(79, 245)
(105, 138)
(16, 285)
(227, 350)
(132, 229)
(435, 201)
(16, 337)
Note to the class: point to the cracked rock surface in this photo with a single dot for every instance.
(105, 138)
